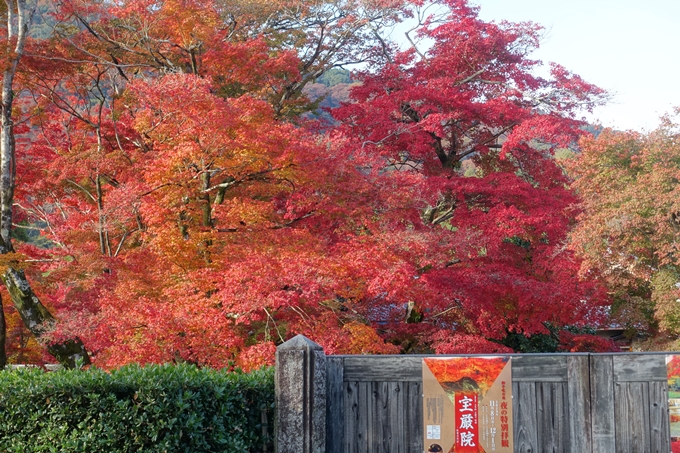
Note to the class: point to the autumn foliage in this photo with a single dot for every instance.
(629, 228)
(192, 211)
(483, 371)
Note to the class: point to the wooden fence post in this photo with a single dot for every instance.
(300, 397)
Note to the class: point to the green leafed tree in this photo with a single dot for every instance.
(335, 76)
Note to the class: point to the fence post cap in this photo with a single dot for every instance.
(300, 342)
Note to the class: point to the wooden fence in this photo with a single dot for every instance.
(562, 403)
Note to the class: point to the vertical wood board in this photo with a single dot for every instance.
(414, 421)
(398, 416)
(380, 441)
(352, 409)
(632, 417)
(316, 412)
(579, 413)
(551, 416)
(660, 441)
(361, 431)
(602, 404)
(335, 405)
(524, 417)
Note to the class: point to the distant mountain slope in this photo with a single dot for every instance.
(332, 89)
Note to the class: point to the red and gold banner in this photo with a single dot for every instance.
(467, 404)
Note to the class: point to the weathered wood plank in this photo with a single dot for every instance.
(380, 417)
(533, 368)
(398, 415)
(551, 416)
(602, 404)
(317, 410)
(383, 369)
(578, 390)
(639, 368)
(631, 401)
(530, 368)
(335, 405)
(414, 420)
(352, 410)
(392, 417)
(362, 431)
(524, 417)
(658, 417)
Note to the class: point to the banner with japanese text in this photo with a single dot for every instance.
(467, 404)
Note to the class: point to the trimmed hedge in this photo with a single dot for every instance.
(136, 409)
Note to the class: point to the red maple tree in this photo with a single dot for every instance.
(493, 261)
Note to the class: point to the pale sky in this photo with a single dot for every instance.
(628, 47)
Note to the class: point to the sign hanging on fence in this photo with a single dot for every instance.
(467, 405)
(673, 373)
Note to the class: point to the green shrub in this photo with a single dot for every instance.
(135, 409)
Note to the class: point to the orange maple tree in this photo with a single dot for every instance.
(628, 231)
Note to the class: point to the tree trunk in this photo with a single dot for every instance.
(70, 353)
(34, 314)
(3, 336)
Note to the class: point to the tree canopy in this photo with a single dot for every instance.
(190, 210)
(628, 231)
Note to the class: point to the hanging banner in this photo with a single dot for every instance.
(467, 404)
(673, 373)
